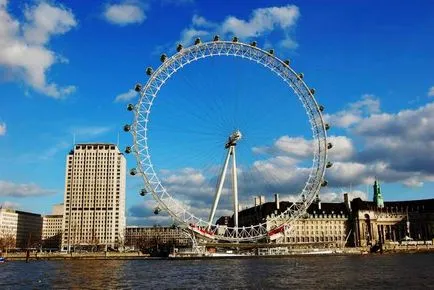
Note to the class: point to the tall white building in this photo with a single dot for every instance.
(94, 201)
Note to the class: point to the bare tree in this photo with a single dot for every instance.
(7, 239)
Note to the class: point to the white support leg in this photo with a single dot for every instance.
(219, 188)
(235, 187)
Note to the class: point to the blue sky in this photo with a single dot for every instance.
(67, 67)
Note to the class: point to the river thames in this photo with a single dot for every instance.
(398, 271)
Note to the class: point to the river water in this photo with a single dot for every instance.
(400, 271)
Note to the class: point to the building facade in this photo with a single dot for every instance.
(324, 224)
(94, 199)
(52, 228)
(357, 223)
(19, 229)
(147, 237)
(393, 222)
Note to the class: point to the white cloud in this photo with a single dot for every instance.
(343, 148)
(124, 14)
(413, 182)
(301, 148)
(91, 131)
(417, 124)
(431, 92)
(23, 46)
(293, 146)
(188, 34)
(124, 97)
(339, 197)
(2, 129)
(22, 190)
(9, 204)
(354, 112)
(45, 21)
(262, 22)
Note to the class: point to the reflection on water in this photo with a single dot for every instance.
(342, 272)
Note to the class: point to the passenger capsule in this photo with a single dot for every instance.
(130, 107)
(300, 75)
(329, 145)
(128, 149)
(329, 164)
(179, 47)
(197, 41)
(143, 192)
(156, 210)
(235, 39)
(163, 57)
(324, 183)
(271, 51)
(149, 71)
(286, 61)
(254, 43)
(321, 108)
(216, 38)
(312, 91)
(133, 171)
(327, 126)
(138, 87)
(127, 128)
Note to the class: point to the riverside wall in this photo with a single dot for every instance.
(140, 256)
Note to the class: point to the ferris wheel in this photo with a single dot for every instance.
(140, 129)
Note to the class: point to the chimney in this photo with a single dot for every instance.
(347, 202)
(261, 199)
(256, 200)
(277, 201)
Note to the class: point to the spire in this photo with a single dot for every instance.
(378, 198)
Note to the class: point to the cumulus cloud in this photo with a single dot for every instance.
(125, 13)
(11, 189)
(354, 112)
(2, 129)
(24, 46)
(261, 22)
(404, 140)
(125, 97)
(431, 92)
(301, 148)
(294, 146)
(395, 147)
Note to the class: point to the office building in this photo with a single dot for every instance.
(94, 200)
(52, 228)
(19, 229)
(147, 237)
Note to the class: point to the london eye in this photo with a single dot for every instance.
(226, 178)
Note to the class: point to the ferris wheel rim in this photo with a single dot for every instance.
(142, 111)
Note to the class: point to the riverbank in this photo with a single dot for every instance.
(139, 256)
